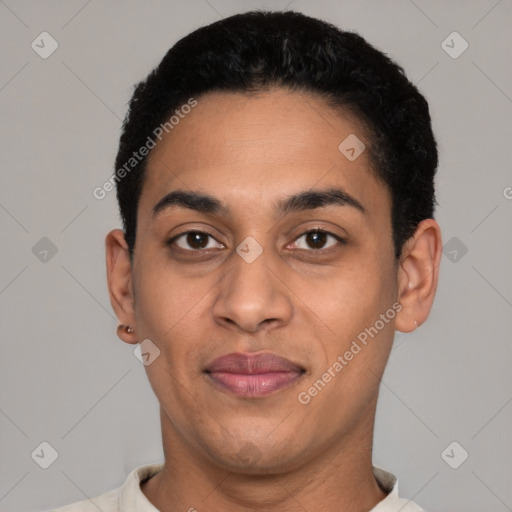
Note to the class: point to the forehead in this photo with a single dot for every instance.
(252, 149)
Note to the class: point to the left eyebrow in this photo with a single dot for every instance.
(302, 201)
(312, 199)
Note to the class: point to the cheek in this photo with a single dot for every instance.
(351, 306)
(166, 301)
(350, 300)
(357, 344)
(170, 313)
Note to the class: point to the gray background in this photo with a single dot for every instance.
(68, 380)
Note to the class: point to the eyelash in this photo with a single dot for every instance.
(341, 240)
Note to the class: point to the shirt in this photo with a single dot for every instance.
(129, 496)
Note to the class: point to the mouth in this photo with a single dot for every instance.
(253, 375)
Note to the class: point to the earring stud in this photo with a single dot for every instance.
(127, 328)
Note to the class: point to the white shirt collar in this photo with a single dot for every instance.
(131, 496)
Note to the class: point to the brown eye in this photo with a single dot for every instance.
(193, 241)
(317, 239)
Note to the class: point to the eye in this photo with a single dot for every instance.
(194, 240)
(316, 239)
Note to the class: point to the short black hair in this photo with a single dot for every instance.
(257, 50)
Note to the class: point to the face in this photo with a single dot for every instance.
(282, 290)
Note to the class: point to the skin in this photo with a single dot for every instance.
(302, 303)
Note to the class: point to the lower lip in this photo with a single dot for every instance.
(254, 385)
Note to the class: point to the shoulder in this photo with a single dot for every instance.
(408, 506)
(107, 502)
(126, 497)
(392, 502)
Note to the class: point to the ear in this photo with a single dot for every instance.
(119, 279)
(418, 275)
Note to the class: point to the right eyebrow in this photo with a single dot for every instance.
(192, 200)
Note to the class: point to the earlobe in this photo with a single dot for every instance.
(119, 280)
(127, 333)
(418, 275)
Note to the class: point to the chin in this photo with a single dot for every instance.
(257, 455)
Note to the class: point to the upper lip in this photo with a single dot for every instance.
(252, 364)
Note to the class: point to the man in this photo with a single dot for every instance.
(275, 181)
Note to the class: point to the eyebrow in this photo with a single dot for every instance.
(302, 201)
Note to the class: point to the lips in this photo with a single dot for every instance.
(253, 375)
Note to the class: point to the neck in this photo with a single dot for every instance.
(341, 478)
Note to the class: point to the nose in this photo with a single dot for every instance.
(252, 296)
